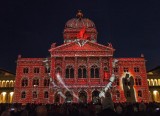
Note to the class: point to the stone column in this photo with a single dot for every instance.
(88, 70)
(75, 100)
(63, 67)
(75, 70)
(89, 93)
(101, 73)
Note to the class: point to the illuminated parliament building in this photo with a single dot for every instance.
(79, 69)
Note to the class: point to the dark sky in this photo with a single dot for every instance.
(29, 27)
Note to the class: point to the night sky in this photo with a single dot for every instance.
(29, 27)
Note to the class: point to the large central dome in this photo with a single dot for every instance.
(75, 25)
(79, 23)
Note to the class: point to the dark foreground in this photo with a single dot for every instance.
(68, 109)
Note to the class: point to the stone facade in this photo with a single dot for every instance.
(78, 70)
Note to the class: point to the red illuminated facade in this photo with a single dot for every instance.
(85, 68)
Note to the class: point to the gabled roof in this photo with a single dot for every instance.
(6, 71)
(82, 46)
(6, 75)
(155, 70)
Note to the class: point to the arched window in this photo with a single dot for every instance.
(69, 72)
(10, 96)
(7, 83)
(156, 96)
(152, 82)
(3, 83)
(23, 94)
(0, 84)
(138, 81)
(139, 93)
(69, 96)
(94, 72)
(82, 72)
(57, 98)
(35, 82)
(95, 96)
(35, 95)
(155, 82)
(82, 96)
(46, 82)
(24, 82)
(118, 94)
(46, 94)
(11, 83)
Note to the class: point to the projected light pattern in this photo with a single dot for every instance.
(81, 67)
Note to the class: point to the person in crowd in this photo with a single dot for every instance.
(119, 111)
(41, 111)
(6, 112)
(107, 106)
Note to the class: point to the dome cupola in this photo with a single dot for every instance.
(79, 28)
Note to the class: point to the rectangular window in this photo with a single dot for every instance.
(46, 82)
(36, 82)
(136, 69)
(36, 70)
(115, 70)
(139, 93)
(35, 94)
(138, 81)
(125, 69)
(25, 70)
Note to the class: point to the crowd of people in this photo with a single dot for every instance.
(81, 109)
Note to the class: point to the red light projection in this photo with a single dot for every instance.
(84, 70)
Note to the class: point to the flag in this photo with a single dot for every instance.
(106, 75)
(81, 33)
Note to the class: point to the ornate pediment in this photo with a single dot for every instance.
(82, 45)
(82, 49)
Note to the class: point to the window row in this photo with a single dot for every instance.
(46, 94)
(126, 69)
(127, 82)
(47, 70)
(35, 82)
(153, 82)
(7, 83)
(46, 82)
(82, 72)
(34, 94)
(35, 70)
